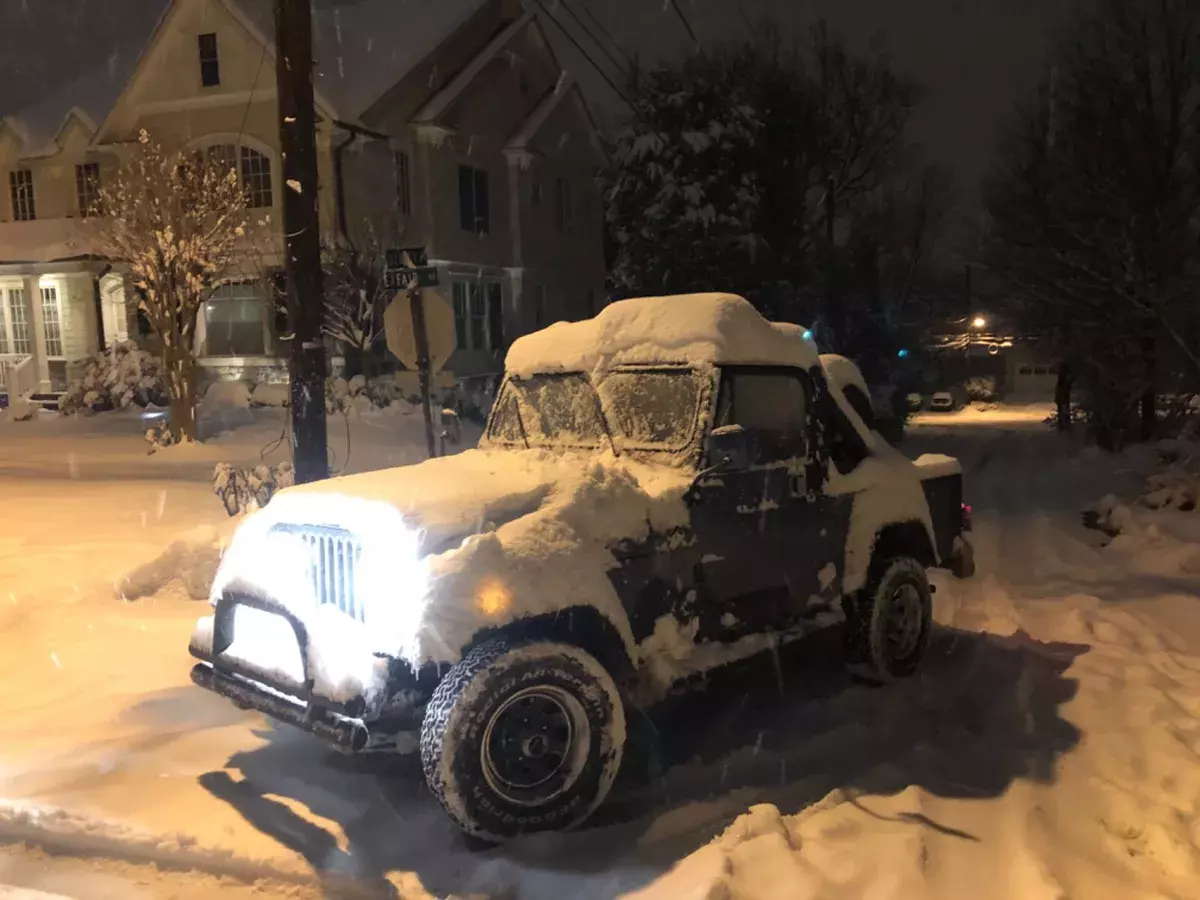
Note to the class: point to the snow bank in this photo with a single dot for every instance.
(227, 395)
(698, 328)
(191, 561)
(819, 854)
(265, 394)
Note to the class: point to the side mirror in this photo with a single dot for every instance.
(728, 448)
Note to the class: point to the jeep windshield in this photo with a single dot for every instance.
(642, 409)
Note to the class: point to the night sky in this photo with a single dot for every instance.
(975, 58)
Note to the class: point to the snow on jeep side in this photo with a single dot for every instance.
(660, 490)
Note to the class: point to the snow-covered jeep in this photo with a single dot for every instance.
(663, 489)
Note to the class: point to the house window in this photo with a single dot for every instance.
(256, 179)
(87, 187)
(20, 182)
(403, 184)
(52, 322)
(210, 65)
(235, 321)
(460, 315)
(495, 315)
(473, 199)
(18, 323)
(563, 213)
(253, 169)
(478, 315)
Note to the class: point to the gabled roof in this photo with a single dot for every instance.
(361, 50)
(442, 100)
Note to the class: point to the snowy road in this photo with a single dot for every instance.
(1049, 750)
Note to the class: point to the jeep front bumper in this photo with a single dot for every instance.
(352, 724)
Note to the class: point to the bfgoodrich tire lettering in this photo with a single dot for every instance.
(873, 648)
(471, 697)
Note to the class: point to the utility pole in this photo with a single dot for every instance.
(301, 231)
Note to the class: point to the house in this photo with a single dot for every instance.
(449, 125)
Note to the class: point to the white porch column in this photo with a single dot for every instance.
(37, 325)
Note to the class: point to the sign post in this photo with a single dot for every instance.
(421, 336)
(408, 330)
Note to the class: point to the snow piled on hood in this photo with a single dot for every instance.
(552, 558)
(686, 328)
(462, 543)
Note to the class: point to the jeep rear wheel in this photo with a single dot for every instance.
(522, 738)
(889, 623)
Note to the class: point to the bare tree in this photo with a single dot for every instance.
(176, 221)
(355, 296)
(1095, 198)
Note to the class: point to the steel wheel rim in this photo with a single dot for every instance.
(535, 745)
(904, 622)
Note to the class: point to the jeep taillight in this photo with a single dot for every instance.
(966, 517)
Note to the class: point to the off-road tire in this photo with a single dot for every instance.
(869, 654)
(474, 693)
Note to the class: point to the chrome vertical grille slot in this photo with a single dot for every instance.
(333, 556)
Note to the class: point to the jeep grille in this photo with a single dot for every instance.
(333, 559)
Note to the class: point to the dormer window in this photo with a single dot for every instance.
(210, 64)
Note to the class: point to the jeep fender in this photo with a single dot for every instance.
(890, 515)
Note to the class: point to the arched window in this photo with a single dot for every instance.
(253, 168)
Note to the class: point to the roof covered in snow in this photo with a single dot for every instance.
(361, 49)
(685, 328)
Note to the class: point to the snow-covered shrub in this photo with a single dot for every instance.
(981, 389)
(356, 395)
(116, 378)
(245, 490)
(160, 436)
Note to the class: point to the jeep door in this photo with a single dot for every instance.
(758, 527)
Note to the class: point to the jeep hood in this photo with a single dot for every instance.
(448, 498)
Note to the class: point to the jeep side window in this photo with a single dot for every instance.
(772, 405)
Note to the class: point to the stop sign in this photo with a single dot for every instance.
(439, 327)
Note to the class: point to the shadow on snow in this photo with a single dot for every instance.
(785, 730)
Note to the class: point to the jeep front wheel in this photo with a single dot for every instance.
(522, 738)
(888, 624)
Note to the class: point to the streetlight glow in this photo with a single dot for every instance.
(978, 322)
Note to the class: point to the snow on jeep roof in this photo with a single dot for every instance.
(693, 328)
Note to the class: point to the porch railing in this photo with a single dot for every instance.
(19, 377)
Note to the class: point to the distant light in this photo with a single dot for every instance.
(807, 334)
(902, 353)
(978, 322)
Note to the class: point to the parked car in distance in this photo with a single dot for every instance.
(942, 401)
(915, 402)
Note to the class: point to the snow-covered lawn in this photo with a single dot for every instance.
(1051, 749)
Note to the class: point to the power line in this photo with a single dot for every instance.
(588, 12)
(686, 24)
(570, 37)
(595, 40)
